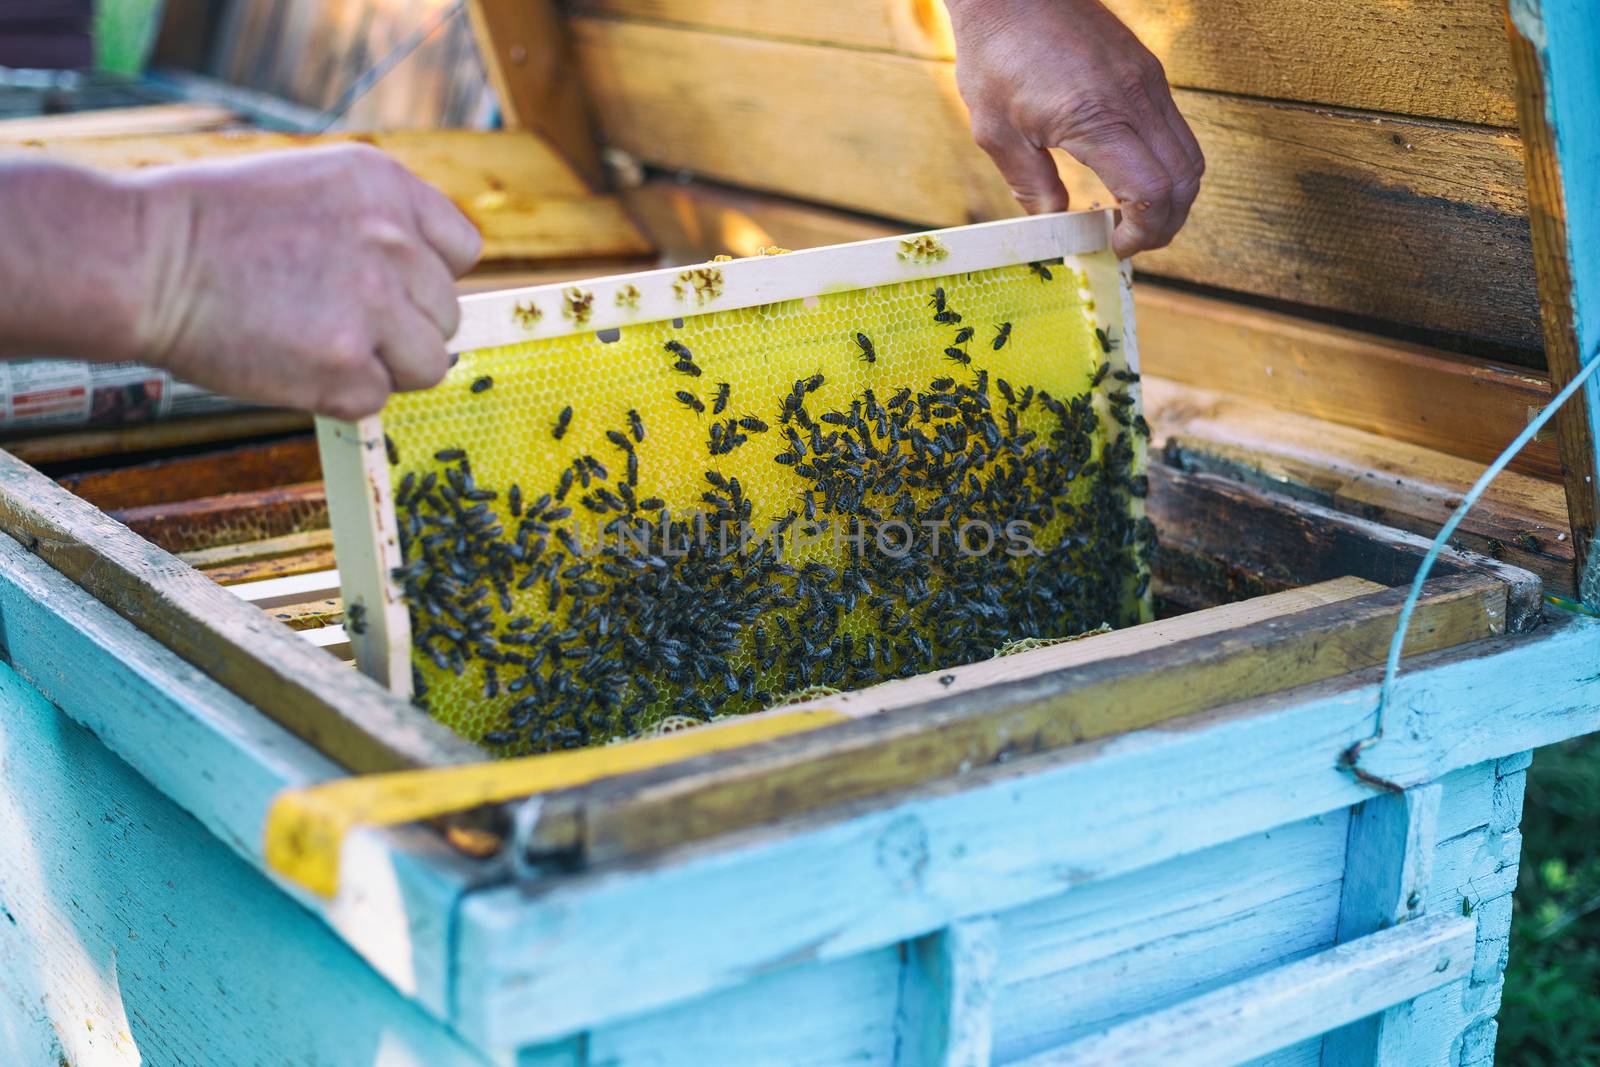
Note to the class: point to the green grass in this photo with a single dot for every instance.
(1551, 1012)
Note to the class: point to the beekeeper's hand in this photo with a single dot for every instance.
(1042, 74)
(320, 279)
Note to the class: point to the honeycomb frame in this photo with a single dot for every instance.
(357, 456)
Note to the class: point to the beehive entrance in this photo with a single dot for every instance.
(615, 528)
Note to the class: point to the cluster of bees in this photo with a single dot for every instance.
(580, 643)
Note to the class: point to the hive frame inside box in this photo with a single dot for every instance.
(354, 458)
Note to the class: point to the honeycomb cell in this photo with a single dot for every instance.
(606, 535)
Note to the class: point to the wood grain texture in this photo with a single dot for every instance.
(310, 561)
(1133, 640)
(1271, 1011)
(1521, 519)
(1453, 404)
(521, 195)
(1387, 875)
(131, 935)
(228, 518)
(78, 445)
(267, 549)
(1401, 220)
(524, 48)
(165, 481)
(1549, 174)
(221, 760)
(897, 750)
(350, 719)
(1429, 58)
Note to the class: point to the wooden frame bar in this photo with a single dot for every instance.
(1558, 100)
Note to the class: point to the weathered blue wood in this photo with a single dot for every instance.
(1285, 1005)
(222, 761)
(1387, 874)
(946, 1008)
(1102, 953)
(131, 935)
(536, 968)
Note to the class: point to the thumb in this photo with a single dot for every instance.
(1031, 172)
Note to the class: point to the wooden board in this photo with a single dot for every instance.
(1558, 168)
(1521, 520)
(75, 445)
(523, 197)
(1461, 406)
(166, 481)
(348, 718)
(1400, 220)
(270, 548)
(1134, 640)
(1433, 58)
(523, 44)
(895, 750)
(124, 121)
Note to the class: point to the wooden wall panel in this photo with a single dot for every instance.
(1437, 58)
(1402, 220)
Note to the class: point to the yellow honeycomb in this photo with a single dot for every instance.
(760, 510)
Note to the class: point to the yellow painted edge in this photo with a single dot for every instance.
(306, 828)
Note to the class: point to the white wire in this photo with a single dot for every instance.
(1392, 668)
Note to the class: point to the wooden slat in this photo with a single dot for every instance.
(897, 750)
(691, 222)
(1268, 1012)
(124, 121)
(524, 46)
(523, 197)
(1134, 640)
(310, 614)
(165, 481)
(256, 570)
(347, 717)
(257, 551)
(229, 518)
(1409, 221)
(154, 437)
(1521, 519)
(1436, 58)
(1553, 250)
(1465, 407)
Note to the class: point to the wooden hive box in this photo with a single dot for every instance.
(1193, 841)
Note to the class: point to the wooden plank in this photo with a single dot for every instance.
(1400, 220)
(310, 614)
(843, 882)
(1522, 520)
(330, 639)
(1558, 101)
(1388, 869)
(947, 986)
(1465, 407)
(164, 481)
(282, 566)
(255, 551)
(124, 121)
(1134, 640)
(1433, 58)
(350, 719)
(218, 758)
(897, 750)
(517, 191)
(693, 221)
(1274, 1010)
(229, 518)
(528, 57)
(77, 445)
(292, 589)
